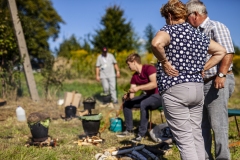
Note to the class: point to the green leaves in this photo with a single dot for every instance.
(149, 34)
(40, 22)
(67, 46)
(116, 33)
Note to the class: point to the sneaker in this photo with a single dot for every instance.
(124, 134)
(137, 139)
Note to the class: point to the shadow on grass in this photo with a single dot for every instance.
(6, 137)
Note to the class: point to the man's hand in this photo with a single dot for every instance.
(219, 82)
(98, 78)
(118, 74)
(126, 96)
(134, 89)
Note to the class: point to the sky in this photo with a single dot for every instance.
(83, 17)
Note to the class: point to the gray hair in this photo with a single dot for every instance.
(196, 6)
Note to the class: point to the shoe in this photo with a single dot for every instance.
(137, 139)
(83, 113)
(125, 134)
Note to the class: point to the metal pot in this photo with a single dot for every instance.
(70, 111)
(89, 103)
(39, 132)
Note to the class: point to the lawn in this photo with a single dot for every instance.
(14, 135)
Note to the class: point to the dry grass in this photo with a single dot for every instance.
(14, 134)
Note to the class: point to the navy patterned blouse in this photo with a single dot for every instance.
(186, 52)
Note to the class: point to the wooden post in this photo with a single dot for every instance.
(23, 50)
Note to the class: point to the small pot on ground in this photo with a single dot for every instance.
(38, 123)
(89, 103)
(106, 98)
(39, 132)
(70, 111)
(91, 124)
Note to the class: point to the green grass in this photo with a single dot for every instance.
(90, 88)
(14, 134)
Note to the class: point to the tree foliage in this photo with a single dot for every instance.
(39, 21)
(83, 63)
(67, 46)
(116, 32)
(149, 35)
(237, 50)
(53, 76)
(236, 61)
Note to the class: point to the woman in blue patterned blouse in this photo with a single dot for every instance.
(181, 52)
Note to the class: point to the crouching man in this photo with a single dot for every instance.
(143, 79)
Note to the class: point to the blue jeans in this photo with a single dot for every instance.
(215, 117)
(144, 102)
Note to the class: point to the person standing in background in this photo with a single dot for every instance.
(105, 65)
(218, 82)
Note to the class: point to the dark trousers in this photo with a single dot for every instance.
(144, 102)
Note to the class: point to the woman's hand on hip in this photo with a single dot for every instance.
(169, 69)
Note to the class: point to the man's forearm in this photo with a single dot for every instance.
(148, 86)
(97, 71)
(225, 63)
(116, 67)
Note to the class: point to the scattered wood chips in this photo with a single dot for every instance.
(94, 140)
(49, 142)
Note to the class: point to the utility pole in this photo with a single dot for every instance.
(23, 50)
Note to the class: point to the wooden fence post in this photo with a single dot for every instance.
(23, 51)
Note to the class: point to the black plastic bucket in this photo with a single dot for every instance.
(70, 111)
(89, 105)
(39, 132)
(91, 127)
(106, 98)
